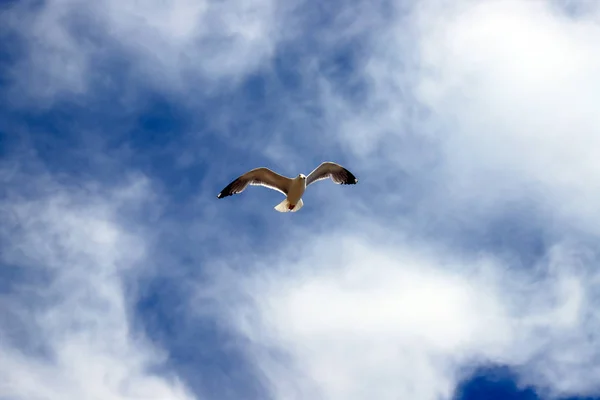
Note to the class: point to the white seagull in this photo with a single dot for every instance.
(294, 188)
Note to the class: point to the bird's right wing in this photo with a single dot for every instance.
(258, 176)
(336, 172)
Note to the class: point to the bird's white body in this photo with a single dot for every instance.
(292, 188)
(293, 201)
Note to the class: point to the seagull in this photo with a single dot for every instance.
(292, 188)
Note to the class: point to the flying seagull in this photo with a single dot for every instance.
(292, 188)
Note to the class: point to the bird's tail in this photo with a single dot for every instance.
(298, 205)
(284, 206)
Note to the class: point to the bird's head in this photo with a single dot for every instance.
(301, 176)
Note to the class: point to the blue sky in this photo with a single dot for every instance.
(462, 266)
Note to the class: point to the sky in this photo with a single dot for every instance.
(463, 265)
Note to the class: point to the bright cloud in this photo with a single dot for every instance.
(72, 44)
(354, 318)
(67, 331)
(517, 82)
(463, 120)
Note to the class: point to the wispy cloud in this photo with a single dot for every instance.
(355, 316)
(470, 240)
(67, 328)
(73, 47)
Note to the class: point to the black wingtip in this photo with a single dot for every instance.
(228, 190)
(350, 179)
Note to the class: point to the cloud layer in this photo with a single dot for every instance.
(471, 239)
(66, 330)
(72, 47)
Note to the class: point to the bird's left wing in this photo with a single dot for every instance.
(258, 176)
(336, 172)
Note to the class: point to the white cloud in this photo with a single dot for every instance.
(67, 330)
(517, 83)
(176, 46)
(508, 90)
(354, 318)
(362, 311)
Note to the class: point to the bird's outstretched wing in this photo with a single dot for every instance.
(336, 172)
(258, 176)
